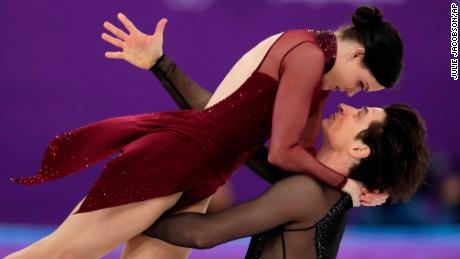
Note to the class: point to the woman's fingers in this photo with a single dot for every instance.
(114, 55)
(377, 196)
(370, 201)
(367, 204)
(373, 199)
(115, 30)
(160, 27)
(126, 22)
(112, 40)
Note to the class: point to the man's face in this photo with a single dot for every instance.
(341, 128)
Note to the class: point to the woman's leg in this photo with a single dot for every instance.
(92, 234)
(142, 246)
(222, 199)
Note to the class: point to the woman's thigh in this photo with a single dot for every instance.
(95, 233)
(142, 246)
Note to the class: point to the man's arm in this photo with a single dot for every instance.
(186, 93)
(296, 199)
(189, 95)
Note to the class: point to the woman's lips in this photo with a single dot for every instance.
(338, 89)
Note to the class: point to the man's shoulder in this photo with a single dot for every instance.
(302, 180)
(303, 186)
(309, 196)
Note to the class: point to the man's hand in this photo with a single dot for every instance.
(139, 49)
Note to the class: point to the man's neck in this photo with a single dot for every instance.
(335, 160)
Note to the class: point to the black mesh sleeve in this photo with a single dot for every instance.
(294, 199)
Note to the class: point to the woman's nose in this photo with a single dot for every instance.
(352, 92)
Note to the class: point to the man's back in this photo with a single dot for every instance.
(317, 232)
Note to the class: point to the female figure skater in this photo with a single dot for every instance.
(276, 90)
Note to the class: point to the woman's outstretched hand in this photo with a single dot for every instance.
(139, 49)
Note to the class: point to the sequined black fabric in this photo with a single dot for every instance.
(327, 228)
(257, 244)
(328, 42)
(329, 231)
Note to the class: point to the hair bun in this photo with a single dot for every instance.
(367, 16)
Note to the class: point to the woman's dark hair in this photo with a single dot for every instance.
(398, 159)
(383, 45)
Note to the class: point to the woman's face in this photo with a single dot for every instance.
(350, 75)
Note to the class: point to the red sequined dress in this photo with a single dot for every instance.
(196, 151)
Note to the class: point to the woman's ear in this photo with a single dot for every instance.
(356, 52)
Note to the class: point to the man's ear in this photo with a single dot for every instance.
(360, 150)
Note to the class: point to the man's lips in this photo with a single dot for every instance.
(334, 116)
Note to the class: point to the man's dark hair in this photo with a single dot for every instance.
(398, 159)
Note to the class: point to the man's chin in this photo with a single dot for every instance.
(326, 121)
(324, 124)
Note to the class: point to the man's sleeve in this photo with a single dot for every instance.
(295, 199)
(185, 92)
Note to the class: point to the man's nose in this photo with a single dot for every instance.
(344, 107)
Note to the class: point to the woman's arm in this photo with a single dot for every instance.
(295, 199)
(310, 136)
(301, 73)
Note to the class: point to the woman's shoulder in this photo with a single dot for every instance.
(322, 42)
(291, 36)
(299, 34)
(298, 38)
